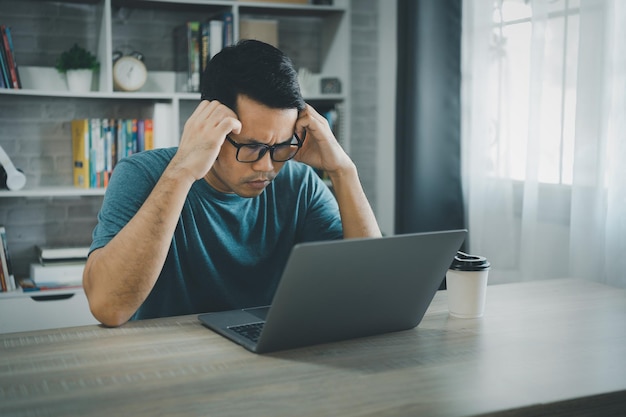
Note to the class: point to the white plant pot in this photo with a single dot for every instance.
(79, 81)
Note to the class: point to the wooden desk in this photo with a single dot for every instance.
(538, 343)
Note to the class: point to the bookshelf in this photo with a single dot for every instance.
(35, 120)
(316, 37)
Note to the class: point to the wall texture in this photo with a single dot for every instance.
(364, 64)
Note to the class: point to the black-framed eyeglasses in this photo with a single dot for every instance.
(280, 152)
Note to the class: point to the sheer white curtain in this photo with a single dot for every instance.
(544, 137)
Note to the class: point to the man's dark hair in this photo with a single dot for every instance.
(254, 69)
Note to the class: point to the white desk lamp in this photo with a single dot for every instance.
(15, 179)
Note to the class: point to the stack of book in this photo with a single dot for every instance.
(98, 144)
(195, 43)
(58, 267)
(9, 74)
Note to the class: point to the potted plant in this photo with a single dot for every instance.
(78, 65)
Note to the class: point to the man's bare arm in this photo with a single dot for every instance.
(119, 276)
(321, 150)
(357, 216)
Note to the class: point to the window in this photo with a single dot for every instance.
(533, 89)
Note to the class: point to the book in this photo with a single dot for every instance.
(120, 139)
(109, 136)
(131, 136)
(8, 283)
(28, 285)
(80, 153)
(205, 40)
(194, 55)
(216, 40)
(113, 144)
(141, 144)
(7, 30)
(6, 261)
(164, 126)
(10, 56)
(96, 153)
(59, 273)
(214, 34)
(2, 82)
(3, 281)
(229, 37)
(148, 134)
(187, 60)
(48, 254)
(4, 66)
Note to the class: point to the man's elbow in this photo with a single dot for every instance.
(106, 315)
(100, 306)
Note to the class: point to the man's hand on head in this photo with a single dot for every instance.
(321, 150)
(203, 136)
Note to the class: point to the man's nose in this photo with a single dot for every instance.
(265, 163)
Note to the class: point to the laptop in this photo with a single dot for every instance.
(345, 289)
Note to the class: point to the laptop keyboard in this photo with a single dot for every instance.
(250, 331)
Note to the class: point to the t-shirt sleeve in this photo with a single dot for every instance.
(322, 220)
(128, 188)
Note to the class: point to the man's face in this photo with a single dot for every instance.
(260, 124)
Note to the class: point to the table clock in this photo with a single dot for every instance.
(129, 71)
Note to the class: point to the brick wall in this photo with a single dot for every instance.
(364, 101)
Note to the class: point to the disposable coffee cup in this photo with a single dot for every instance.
(466, 283)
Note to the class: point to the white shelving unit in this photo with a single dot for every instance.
(333, 22)
(49, 309)
(314, 36)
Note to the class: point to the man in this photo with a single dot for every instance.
(209, 225)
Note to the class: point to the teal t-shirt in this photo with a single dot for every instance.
(227, 251)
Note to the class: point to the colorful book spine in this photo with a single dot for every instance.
(216, 41)
(7, 273)
(141, 145)
(205, 36)
(80, 153)
(193, 36)
(4, 66)
(131, 136)
(96, 154)
(99, 144)
(12, 49)
(3, 79)
(120, 139)
(114, 152)
(107, 132)
(10, 56)
(148, 134)
(228, 29)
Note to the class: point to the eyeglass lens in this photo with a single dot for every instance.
(278, 153)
